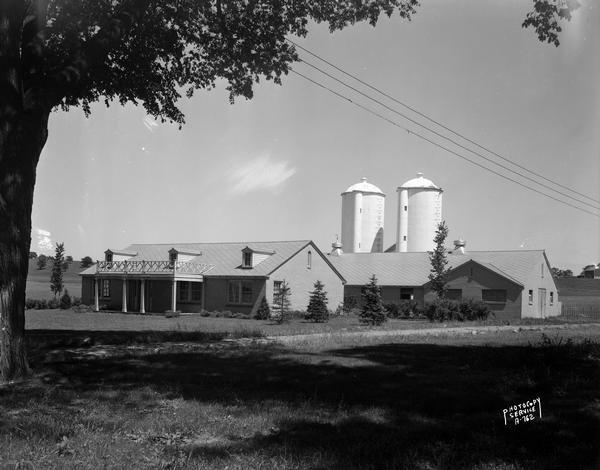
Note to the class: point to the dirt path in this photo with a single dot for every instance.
(587, 329)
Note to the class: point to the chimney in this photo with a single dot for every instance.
(459, 246)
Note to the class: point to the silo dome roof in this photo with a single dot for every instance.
(364, 187)
(419, 182)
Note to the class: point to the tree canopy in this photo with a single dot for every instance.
(150, 52)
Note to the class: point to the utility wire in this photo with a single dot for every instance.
(436, 122)
(593, 206)
(426, 139)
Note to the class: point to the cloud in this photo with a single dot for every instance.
(42, 241)
(150, 123)
(261, 173)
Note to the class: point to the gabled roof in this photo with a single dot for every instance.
(226, 257)
(412, 268)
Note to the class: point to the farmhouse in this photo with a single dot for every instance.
(210, 276)
(514, 284)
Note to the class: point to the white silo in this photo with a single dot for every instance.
(419, 213)
(362, 218)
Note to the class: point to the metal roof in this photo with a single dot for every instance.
(413, 268)
(226, 257)
(419, 182)
(364, 187)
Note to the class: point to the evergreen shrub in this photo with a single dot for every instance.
(372, 312)
(65, 301)
(264, 311)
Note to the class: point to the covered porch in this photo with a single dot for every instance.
(153, 286)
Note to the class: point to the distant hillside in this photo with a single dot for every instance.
(575, 286)
(38, 280)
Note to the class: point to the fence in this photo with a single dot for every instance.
(582, 311)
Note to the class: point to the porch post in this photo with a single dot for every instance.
(202, 304)
(96, 300)
(142, 296)
(173, 295)
(124, 301)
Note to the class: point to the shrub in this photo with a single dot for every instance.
(449, 310)
(82, 308)
(65, 301)
(76, 301)
(53, 303)
(350, 303)
(264, 311)
(372, 312)
(317, 304)
(403, 309)
(392, 310)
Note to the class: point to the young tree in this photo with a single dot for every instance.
(56, 277)
(281, 302)
(42, 260)
(439, 272)
(86, 262)
(63, 53)
(372, 312)
(317, 304)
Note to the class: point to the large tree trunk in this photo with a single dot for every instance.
(23, 133)
(20, 149)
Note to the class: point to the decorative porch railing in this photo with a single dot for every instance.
(152, 267)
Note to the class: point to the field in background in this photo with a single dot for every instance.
(38, 281)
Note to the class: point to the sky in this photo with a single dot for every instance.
(273, 168)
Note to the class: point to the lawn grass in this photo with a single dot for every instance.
(105, 321)
(433, 403)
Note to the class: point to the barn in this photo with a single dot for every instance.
(514, 284)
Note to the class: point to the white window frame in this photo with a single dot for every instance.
(105, 288)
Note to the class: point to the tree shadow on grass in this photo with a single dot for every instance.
(383, 406)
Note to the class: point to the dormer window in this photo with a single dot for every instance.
(108, 256)
(173, 256)
(247, 259)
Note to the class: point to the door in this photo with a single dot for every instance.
(542, 302)
(133, 295)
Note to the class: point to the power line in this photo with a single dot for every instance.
(593, 206)
(438, 123)
(394, 123)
